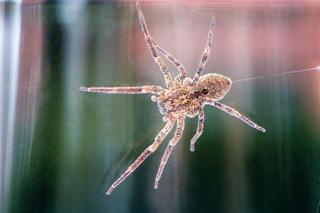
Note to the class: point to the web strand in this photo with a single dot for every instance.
(278, 74)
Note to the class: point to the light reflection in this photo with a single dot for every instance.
(3, 196)
(10, 30)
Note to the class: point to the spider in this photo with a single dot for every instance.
(183, 97)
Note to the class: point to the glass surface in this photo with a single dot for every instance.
(61, 149)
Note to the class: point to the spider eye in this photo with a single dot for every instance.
(204, 91)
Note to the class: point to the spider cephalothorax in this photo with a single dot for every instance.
(214, 86)
(183, 97)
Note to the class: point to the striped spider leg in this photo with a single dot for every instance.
(199, 129)
(205, 54)
(147, 89)
(176, 138)
(150, 149)
(231, 111)
(152, 48)
(174, 61)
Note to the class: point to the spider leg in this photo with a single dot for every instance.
(150, 43)
(177, 136)
(199, 130)
(124, 90)
(174, 61)
(236, 114)
(150, 149)
(205, 54)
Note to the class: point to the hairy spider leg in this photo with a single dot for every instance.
(199, 130)
(174, 61)
(177, 136)
(153, 50)
(236, 114)
(124, 90)
(150, 149)
(206, 53)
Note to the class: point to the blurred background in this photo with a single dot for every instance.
(60, 148)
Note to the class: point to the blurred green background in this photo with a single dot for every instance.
(61, 148)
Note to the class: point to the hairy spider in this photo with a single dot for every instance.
(183, 97)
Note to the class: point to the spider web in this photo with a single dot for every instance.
(317, 68)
